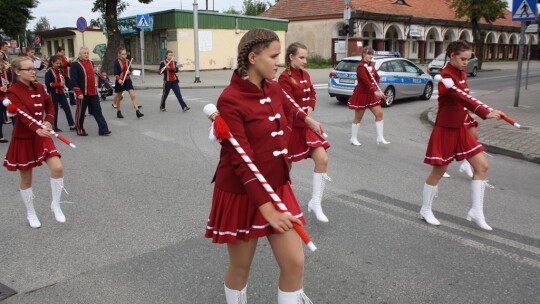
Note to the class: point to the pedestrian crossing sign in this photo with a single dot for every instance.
(524, 10)
(143, 21)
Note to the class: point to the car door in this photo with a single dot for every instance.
(399, 78)
(415, 80)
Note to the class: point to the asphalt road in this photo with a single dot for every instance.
(134, 233)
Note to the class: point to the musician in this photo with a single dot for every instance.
(84, 85)
(4, 53)
(168, 68)
(30, 52)
(4, 84)
(65, 72)
(123, 83)
(56, 86)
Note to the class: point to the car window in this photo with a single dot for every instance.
(396, 66)
(409, 67)
(347, 66)
(385, 67)
(441, 57)
(473, 56)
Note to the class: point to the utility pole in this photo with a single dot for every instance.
(196, 35)
(347, 17)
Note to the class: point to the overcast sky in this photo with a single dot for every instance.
(64, 13)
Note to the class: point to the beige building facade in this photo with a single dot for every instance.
(72, 40)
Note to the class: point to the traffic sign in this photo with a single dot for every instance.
(524, 10)
(143, 21)
(532, 29)
(82, 24)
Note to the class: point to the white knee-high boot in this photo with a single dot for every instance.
(476, 214)
(235, 296)
(380, 138)
(430, 192)
(295, 297)
(28, 199)
(319, 181)
(465, 167)
(354, 134)
(57, 185)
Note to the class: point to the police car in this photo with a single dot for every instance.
(400, 78)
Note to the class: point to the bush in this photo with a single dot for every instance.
(318, 62)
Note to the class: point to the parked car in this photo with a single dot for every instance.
(400, 78)
(436, 65)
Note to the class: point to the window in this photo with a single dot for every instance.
(409, 67)
(415, 47)
(347, 66)
(385, 67)
(396, 66)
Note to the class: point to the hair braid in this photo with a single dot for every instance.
(254, 40)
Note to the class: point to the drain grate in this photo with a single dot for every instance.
(6, 292)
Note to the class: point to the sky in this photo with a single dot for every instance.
(64, 13)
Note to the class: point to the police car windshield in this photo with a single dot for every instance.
(347, 66)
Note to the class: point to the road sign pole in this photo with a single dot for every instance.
(520, 62)
(142, 54)
(528, 63)
(196, 39)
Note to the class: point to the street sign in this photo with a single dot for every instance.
(532, 29)
(143, 21)
(524, 10)
(82, 24)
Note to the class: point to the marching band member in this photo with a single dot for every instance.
(451, 140)
(65, 73)
(30, 52)
(305, 143)
(366, 95)
(83, 79)
(4, 85)
(31, 145)
(55, 83)
(169, 68)
(123, 83)
(254, 107)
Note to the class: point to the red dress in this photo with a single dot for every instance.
(26, 148)
(303, 140)
(259, 120)
(450, 138)
(364, 93)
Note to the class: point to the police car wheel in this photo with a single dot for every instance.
(390, 95)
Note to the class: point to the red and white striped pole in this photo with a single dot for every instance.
(12, 110)
(212, 113)
(449, 84)
(368, 68)
(299, 108)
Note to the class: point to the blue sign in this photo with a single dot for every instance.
(128, 25)
(81, 24)
(524, 10)
(143, 21)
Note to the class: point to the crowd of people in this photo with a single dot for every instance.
(272, 124)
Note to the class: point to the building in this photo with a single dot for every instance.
(71, 39)
(219, 35)
(418, 29)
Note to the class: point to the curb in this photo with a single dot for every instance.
(427, 116)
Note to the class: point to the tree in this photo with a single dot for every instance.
(110, 9)
(232, 11)
(42, 25)
(19, 14)
(475, 10)
(254, 7)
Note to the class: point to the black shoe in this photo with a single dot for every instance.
(72, 128)
(139, 106)
(139, 114)
(3, 140)
(105, 133)
(57, 130)
(119, 114)
(185, 109)
(83, 133)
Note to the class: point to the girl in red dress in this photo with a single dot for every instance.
(255, 108)
(123, 83)
(304, 143)
(451, 140)
(31, 145)
(366, 95)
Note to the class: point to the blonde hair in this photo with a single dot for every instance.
(255, 40)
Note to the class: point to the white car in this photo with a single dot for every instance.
(399, 78)
(436, 65)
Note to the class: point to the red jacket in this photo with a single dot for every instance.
(34, 102)
(298, 85)
(453, 106)
(65, 65)
(365, 84)
(251, 114)
(3, 82)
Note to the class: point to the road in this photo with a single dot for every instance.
(134, 233)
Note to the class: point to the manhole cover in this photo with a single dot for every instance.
(6, 292)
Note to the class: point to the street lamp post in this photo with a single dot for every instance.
(196, 35)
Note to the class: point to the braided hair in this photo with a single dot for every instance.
(292, 49)
(255, 40)
(456, 47)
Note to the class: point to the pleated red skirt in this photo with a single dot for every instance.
(24, 154)
(362, 101)
(302, 143)
(447, 144)
(470, 122)
(233, 217)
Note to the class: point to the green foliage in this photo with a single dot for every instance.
(15, 15)
(318, 62)
(254, 7)
(232, 11)
(42, 25)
